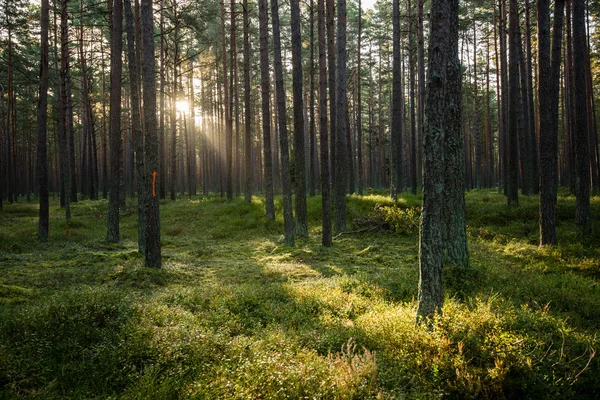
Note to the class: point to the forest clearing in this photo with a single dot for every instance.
(318, 199)
(234, 313)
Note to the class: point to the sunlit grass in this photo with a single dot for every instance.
(236, 314)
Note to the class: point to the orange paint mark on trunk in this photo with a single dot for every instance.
(154, 184)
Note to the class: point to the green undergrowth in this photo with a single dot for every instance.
(235, 314)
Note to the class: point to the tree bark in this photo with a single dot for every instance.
(341, 174)
(513, 107)
(266, 111)
(116, 63)
(548, 92)
(151, 143)
(431, 242)
(325, 201)
(457, 251)
(247, 121)
(138, 134)
(396, 123)
(288, 222)
(299, 146)
(582, 150)
(42, 118)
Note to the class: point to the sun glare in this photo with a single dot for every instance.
(183, 106)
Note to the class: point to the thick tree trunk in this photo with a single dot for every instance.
(42, 118)
(582, 150)
(532, 127)
(116, 63)
(548, 92)
(138, 135)
(299, 145)
(396, 144)
(174, 96)
(454, 180)
(513, 107)
(325, 201)
(311, 134)
(247, 114)
(526, 146)
(431, 242)
(341, 174)
(288, 222)
(266, 111)
(151, 143)
(332, 92)
(162, 176)
(63, 135)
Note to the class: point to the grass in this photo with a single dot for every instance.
(236, 314)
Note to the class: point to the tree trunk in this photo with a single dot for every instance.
(454, 178)
(138, 135)
(299, 146)
(582, 150)
(513, 106)
(151, 142)
(248, 132)
(266, 111)
(396, 144)
(162, 159)
(431, 243)
(332, 91)
(526, 147)
(116, 63)
(532, 128)
(548, 92)
(42, 117)
(288, 222)
(63, 135)
(325, 202)
(174, 96)
(341, 174)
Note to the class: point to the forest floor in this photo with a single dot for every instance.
(236, 314)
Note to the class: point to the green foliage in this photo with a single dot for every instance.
(400, 220)
(235, 314)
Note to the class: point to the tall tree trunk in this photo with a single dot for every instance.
(476, 138)
(431, 242)
(513, 106)
(421, 88)
(63, 136)
(266, 111)
(341, 175)
(116, 63)
(162, 159)
(151, 142)
(582, 150)
(396, 159)
(548, 92)
(288, 222)
(325, 201)
(247, 121)
(359, 134)
(526, 147)
(413, 128)
(174, 96)
(311, 134)
(504, 98)
(457, 252)
(138, 135)
(42, 118)
(299, 146)
(532, 128)
(332, 92)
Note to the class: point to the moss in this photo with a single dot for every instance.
(235, 314)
